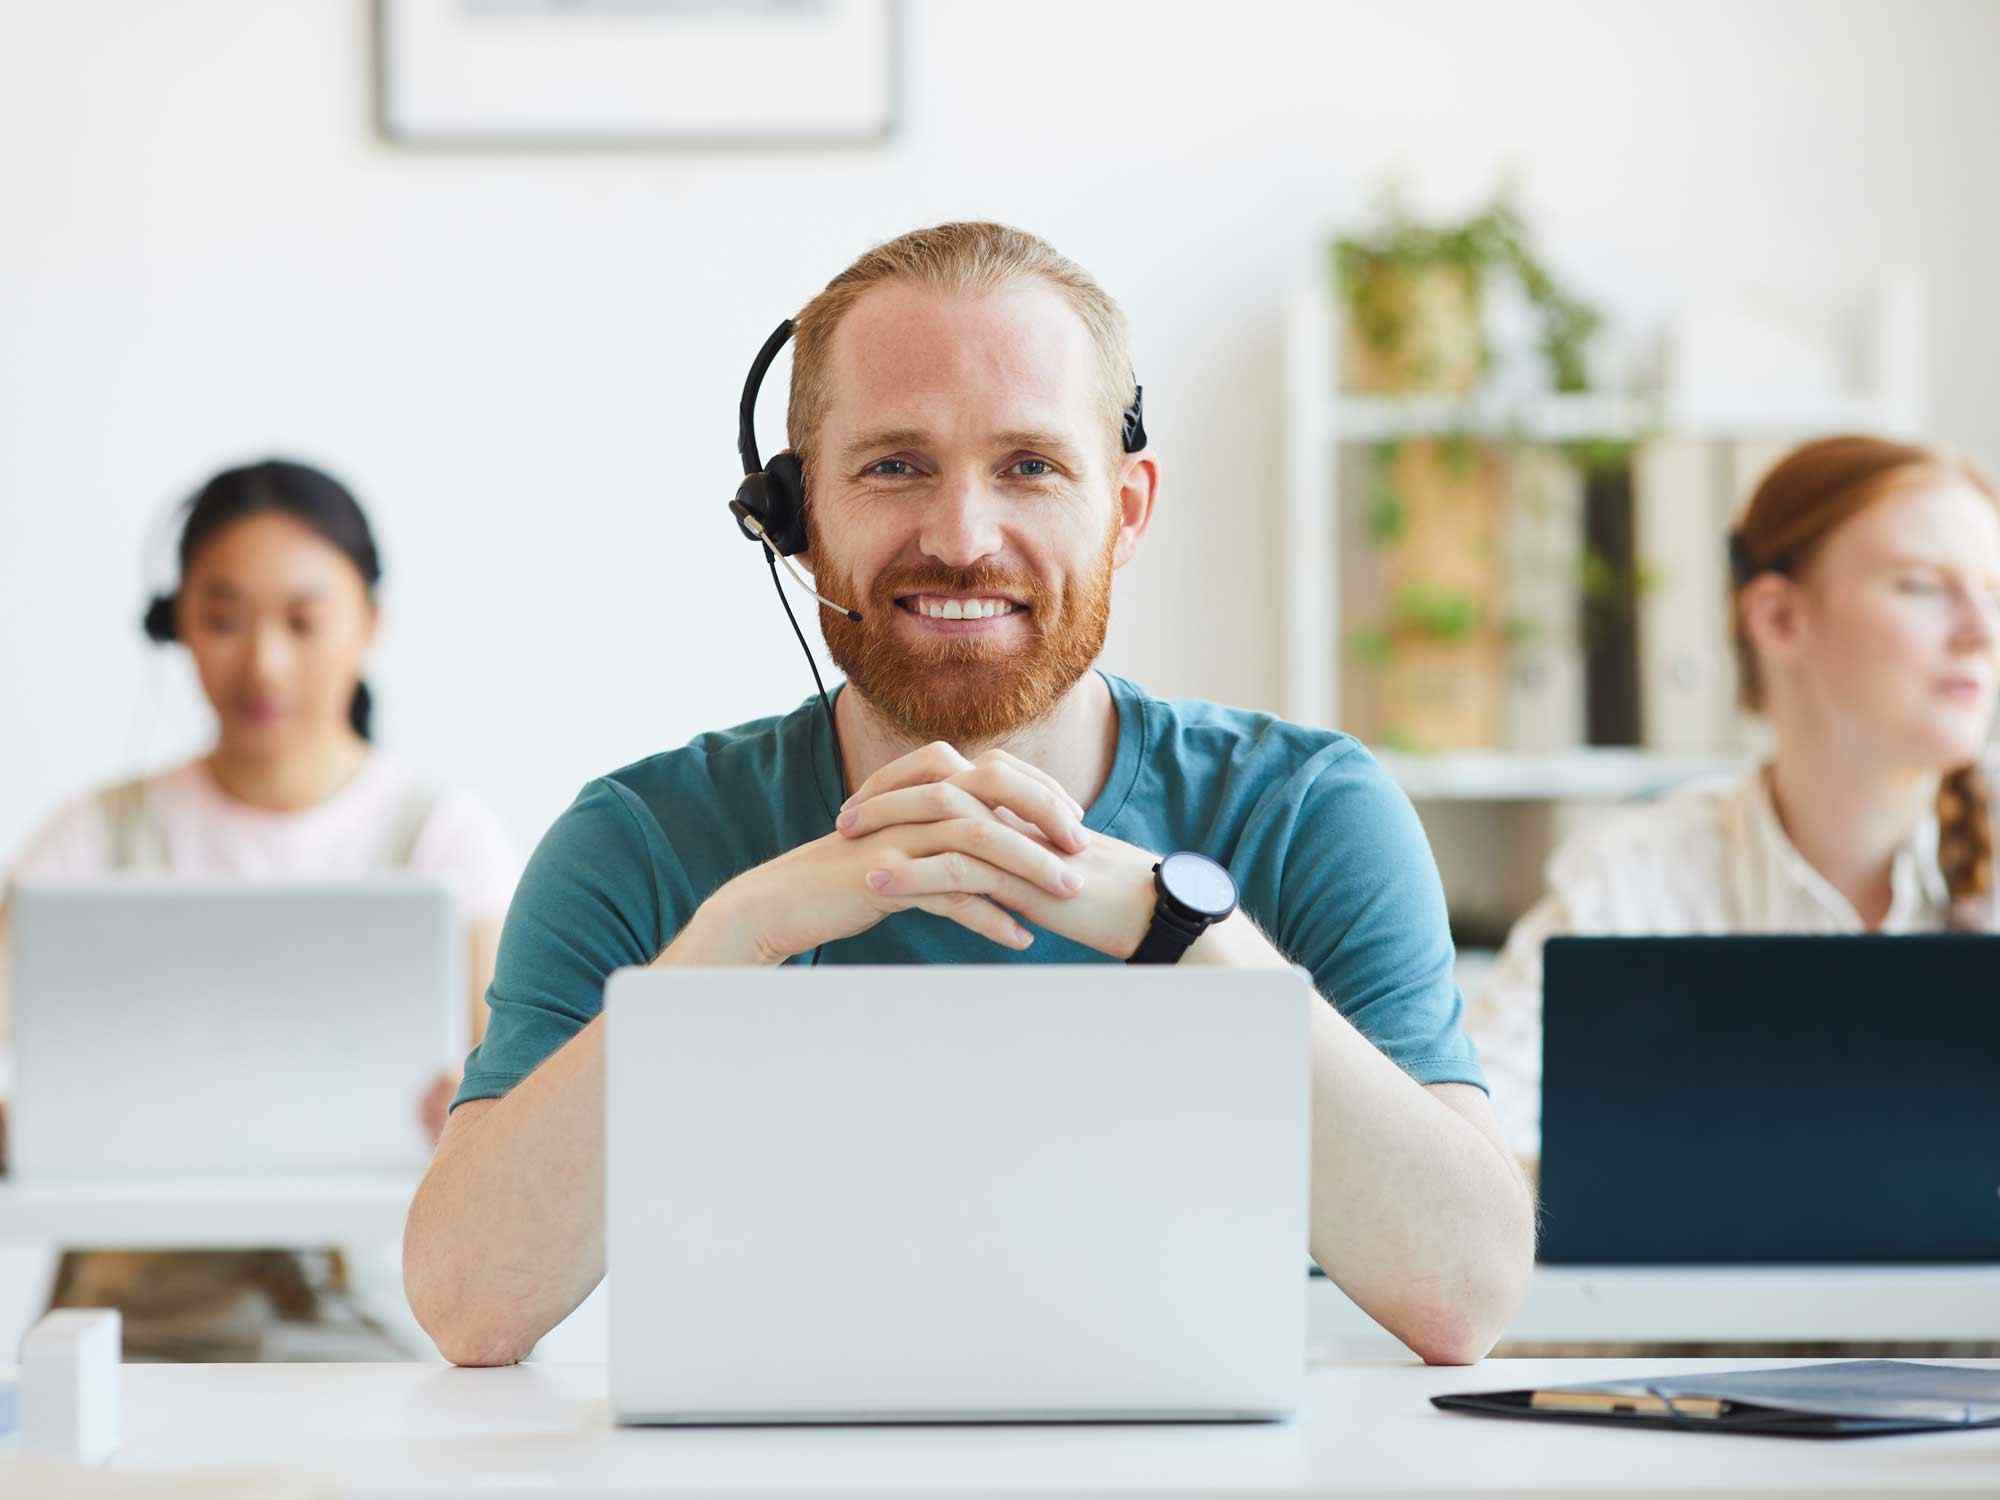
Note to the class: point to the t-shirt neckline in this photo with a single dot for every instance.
(824, 750)
(226, 804)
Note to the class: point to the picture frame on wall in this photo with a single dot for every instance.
(607, 74)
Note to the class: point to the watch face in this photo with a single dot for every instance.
(1198, 883)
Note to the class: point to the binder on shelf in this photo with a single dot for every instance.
(1544, 561)
(1687, 671)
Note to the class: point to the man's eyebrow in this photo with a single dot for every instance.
(886, 437)
(1050, 442)
(913, 437)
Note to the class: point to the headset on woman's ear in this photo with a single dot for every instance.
(161, 563)
(158, 621)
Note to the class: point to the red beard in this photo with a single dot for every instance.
(966, 691)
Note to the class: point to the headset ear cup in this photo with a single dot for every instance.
(159, 620)
(753, 500)
(1134, 421)
(785, 494)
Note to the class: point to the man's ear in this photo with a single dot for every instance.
(1138, 488)
(1772, 609)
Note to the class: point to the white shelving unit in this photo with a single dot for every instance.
(1589, 773)
(1703, 397)
(1367, 419)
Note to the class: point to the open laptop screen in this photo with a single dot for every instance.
(1771, 1099)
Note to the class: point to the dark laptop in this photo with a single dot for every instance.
(1746, 1100)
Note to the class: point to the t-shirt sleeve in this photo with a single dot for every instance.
(463, 845)
(74, 844)
(1362, 908)
(589, 902)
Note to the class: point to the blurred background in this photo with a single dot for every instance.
(1463, 328)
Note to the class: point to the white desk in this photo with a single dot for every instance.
(212, 1213)
(430, 1431)
(1565, 1304)
(1714, 1304)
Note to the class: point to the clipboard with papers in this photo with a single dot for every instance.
(1848, 1398)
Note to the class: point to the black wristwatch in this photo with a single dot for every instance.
(1193, 893)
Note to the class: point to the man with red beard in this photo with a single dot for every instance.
(982, 795)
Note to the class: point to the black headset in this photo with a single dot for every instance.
(161, 605)
(770, 503)
(158, 621)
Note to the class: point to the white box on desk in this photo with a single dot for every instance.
(70, 1385)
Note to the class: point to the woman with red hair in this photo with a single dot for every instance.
(1866, 599)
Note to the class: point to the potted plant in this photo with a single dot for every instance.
(1414, 297)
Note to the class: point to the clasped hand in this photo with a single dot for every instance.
(989, 843)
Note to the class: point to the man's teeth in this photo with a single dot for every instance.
(965, 609)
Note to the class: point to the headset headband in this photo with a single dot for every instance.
(746, 417)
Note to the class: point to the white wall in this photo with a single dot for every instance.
(527, 365)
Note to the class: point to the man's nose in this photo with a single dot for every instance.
(962, 522)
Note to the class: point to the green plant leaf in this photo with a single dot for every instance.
(1495, 238)
(1441, 614)
(1372, 648)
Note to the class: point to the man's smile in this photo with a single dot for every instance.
(961, 614)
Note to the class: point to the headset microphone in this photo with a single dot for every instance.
(755, 527)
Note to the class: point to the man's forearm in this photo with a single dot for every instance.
(1236, 942)
(506, 1235)
(1417, 1214)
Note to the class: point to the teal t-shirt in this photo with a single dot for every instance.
(1327, 853)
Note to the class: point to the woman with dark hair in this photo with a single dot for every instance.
(276, 604)
(1866, 600)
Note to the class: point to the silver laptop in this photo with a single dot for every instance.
(172, 1029)
(1005, 1193)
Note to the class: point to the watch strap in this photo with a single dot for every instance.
(1172, 932)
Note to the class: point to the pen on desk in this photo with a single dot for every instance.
(1627, 1403)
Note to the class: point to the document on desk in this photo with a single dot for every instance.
(1847, 1398)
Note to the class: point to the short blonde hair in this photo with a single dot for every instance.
(969, 258)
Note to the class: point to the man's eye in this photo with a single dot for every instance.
(1034, 468)
(891, 468)
(1918, 585)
